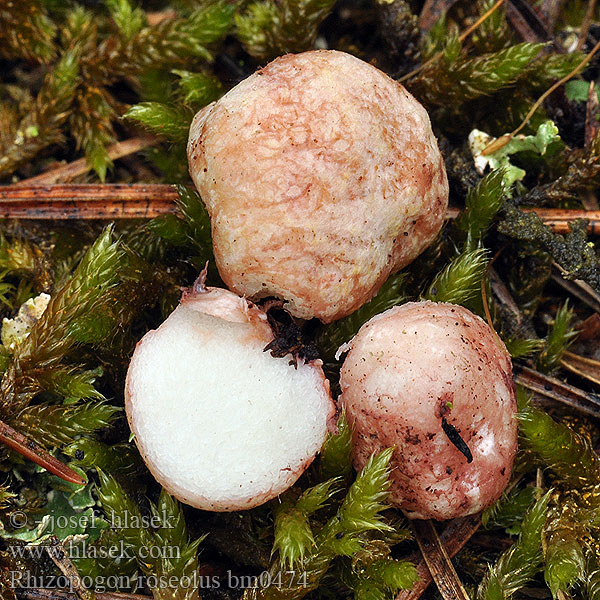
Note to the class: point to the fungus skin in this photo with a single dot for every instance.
(221, 424)
(321, 176)
(412, 367)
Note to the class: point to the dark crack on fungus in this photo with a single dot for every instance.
(453, 435)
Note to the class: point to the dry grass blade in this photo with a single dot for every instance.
(592, 115)
(585, 26)
(431, 12)
(34, 452)
(580, 289)
(564, 393)
(502, 293)
(61, 559)
(552, 8)
(454, 537)
(438, 561)
(529, 21)
(582, 366)
(80, 167)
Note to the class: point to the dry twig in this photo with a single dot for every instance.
(585, 26)
(61, 559)
(79, 167)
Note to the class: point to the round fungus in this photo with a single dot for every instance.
(321, 176)
(434, 382)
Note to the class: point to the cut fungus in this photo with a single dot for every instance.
(222, 424)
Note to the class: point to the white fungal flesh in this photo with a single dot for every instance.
(222, 424)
